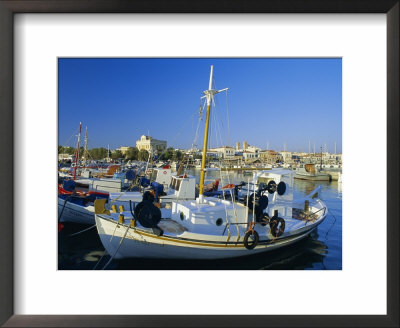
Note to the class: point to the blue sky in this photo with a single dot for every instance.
(274, 101)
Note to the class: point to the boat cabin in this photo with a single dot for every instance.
(210, 216)
(162, 175)
(265, 177)
(309, 168)
(182, 187)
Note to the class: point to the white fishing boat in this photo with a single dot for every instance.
(210, 228)
(77, 205)
(181, 187)
(309, 172)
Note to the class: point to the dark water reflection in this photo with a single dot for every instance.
(322, 250)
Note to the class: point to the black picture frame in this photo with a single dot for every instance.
(10, 7)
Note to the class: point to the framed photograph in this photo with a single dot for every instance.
(58, 53)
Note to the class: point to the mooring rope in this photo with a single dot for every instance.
(79, 232)
(62, 210)
(98, 262)
(116, 251)
(334, 217)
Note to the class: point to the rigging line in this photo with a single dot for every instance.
(232, 197)
(218, 133)
(180, 131)
(116, 251)
(219, 140)
(98, 262)
(227, 116)
(334, 217)
(62, 210)
(73, 135)
(79, 232)
(222, 121)
(226, 212)
(196, 136)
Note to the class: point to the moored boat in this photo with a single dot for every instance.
(210, 228)
(309, 172)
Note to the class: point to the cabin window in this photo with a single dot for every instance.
(173, 181)
(264, 180)
(175, 184)
(154, 175)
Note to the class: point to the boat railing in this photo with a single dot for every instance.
(312, 214)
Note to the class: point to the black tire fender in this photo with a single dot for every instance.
(246, 239)
(273, 223)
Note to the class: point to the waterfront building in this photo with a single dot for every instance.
(225, 152)
(253, 149)
(286, 156)
(124, 149)
(66, 157)
(148, 143)
(268, 156)
(250, 156)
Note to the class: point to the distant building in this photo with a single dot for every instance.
(148, 143)
(225, 152)
(238, 146)
(286, 156)
(245, 145)
(66, 157)
(268, 156)
(250, 156)
(253, 149)
(124, 149)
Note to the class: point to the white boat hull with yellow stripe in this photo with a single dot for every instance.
(191, 236)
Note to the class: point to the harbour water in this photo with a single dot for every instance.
(322, 250)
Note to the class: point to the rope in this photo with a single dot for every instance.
(227, 116)
(79, 232)
(326, 235)
(73, 135)
(196, 136)
(116, 251)
(62, 210)
(254, 203)
(98, 262)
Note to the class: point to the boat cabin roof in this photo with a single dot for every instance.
(177, 180)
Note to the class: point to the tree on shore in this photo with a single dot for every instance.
(143, 155)
(66, 150)
(98, 153)
(116, 154)
(177, 155)
(167, 154)
(132, 154)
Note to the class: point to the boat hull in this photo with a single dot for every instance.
(75, 213)
(321, 177)
(139, 244)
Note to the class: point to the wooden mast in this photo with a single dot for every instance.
(85, 153)
(209, 94)
(77, 149)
